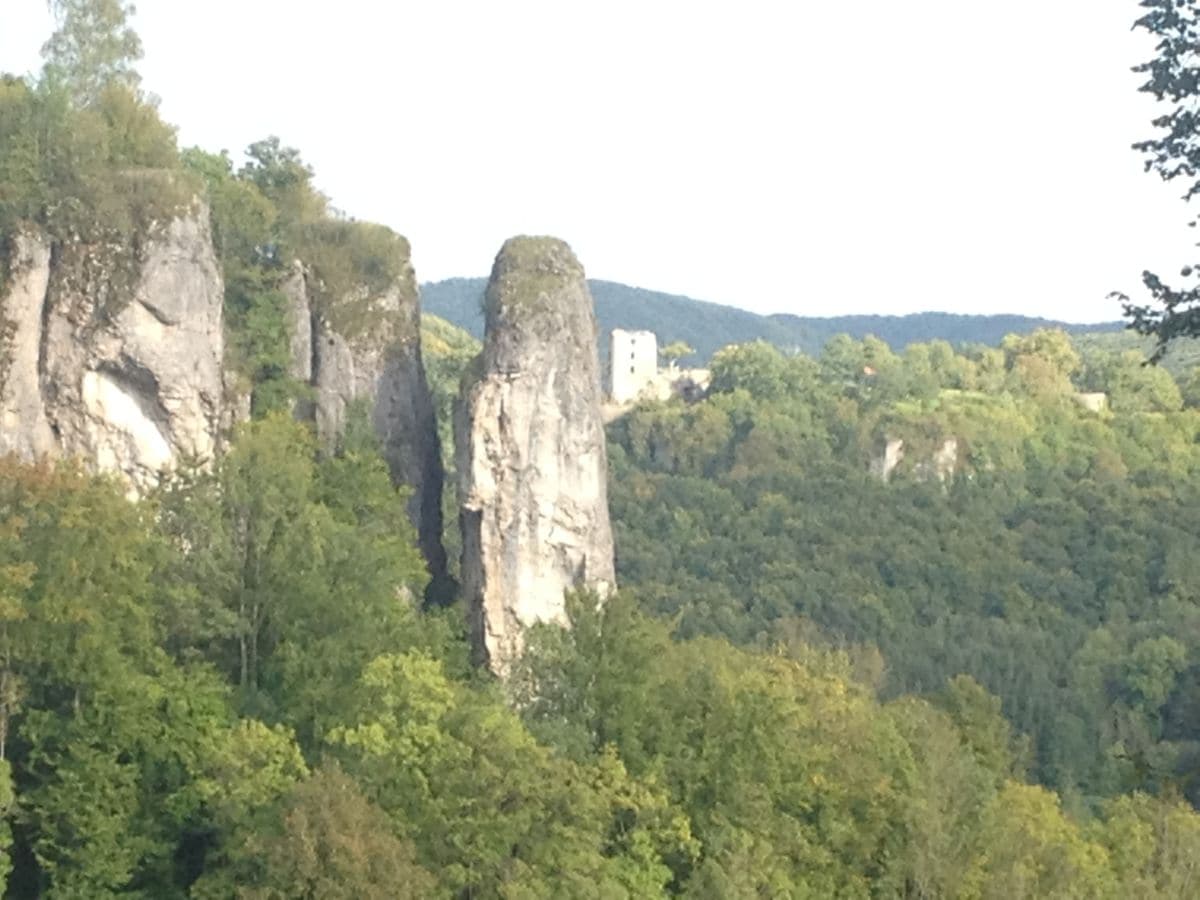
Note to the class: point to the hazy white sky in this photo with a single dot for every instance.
(808, 157)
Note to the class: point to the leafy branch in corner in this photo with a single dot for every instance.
(1173, 76)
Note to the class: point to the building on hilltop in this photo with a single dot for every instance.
(1093, 401)
(633, 372)
(633, 364)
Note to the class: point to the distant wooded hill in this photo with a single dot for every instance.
(710, 326)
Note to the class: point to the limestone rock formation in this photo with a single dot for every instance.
(530, 452)
(944, 462)
(367, 349)
(114, 356)
(886, 460)
(1093, 401)
(940, 463)
(24, 428)
(299, 322)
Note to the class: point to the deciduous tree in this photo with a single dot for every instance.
(93, 48)
(1174, 153)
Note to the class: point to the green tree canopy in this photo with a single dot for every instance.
(675, 351)
(93, 48)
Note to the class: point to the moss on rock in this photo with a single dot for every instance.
(527, 274)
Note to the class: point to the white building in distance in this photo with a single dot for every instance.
(633, 364)
(633, 374)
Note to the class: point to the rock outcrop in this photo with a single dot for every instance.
(940, 463)
(114, 355)
(366, 349)
(299, 323)
(530, 452)
(1093, 401)
(24, 427)
(944, 462)
(887, 459)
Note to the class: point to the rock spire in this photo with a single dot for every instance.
(530, 451)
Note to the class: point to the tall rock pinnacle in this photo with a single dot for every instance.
(532, 467)
(365, 348)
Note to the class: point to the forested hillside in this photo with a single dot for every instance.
(709, 326)
(217, 692)
(974, 679)
(1055, 564)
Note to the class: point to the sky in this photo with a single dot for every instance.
(816, 158)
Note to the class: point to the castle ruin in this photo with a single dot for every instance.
(633, 372)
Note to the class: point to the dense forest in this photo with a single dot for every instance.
(979, 680)
(1053, 563)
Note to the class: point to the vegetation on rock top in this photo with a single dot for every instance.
(528, 275)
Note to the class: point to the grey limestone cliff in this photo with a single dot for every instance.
(24, 427)
(113, 356)
(366, 349)
(941, 461)
(530, 452)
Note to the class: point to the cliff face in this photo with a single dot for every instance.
(530, 452)
(115, 355)
(941, 462)
(367, 349)
(24, 427)
(117, 360)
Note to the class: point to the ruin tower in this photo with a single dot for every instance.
(632, 364)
